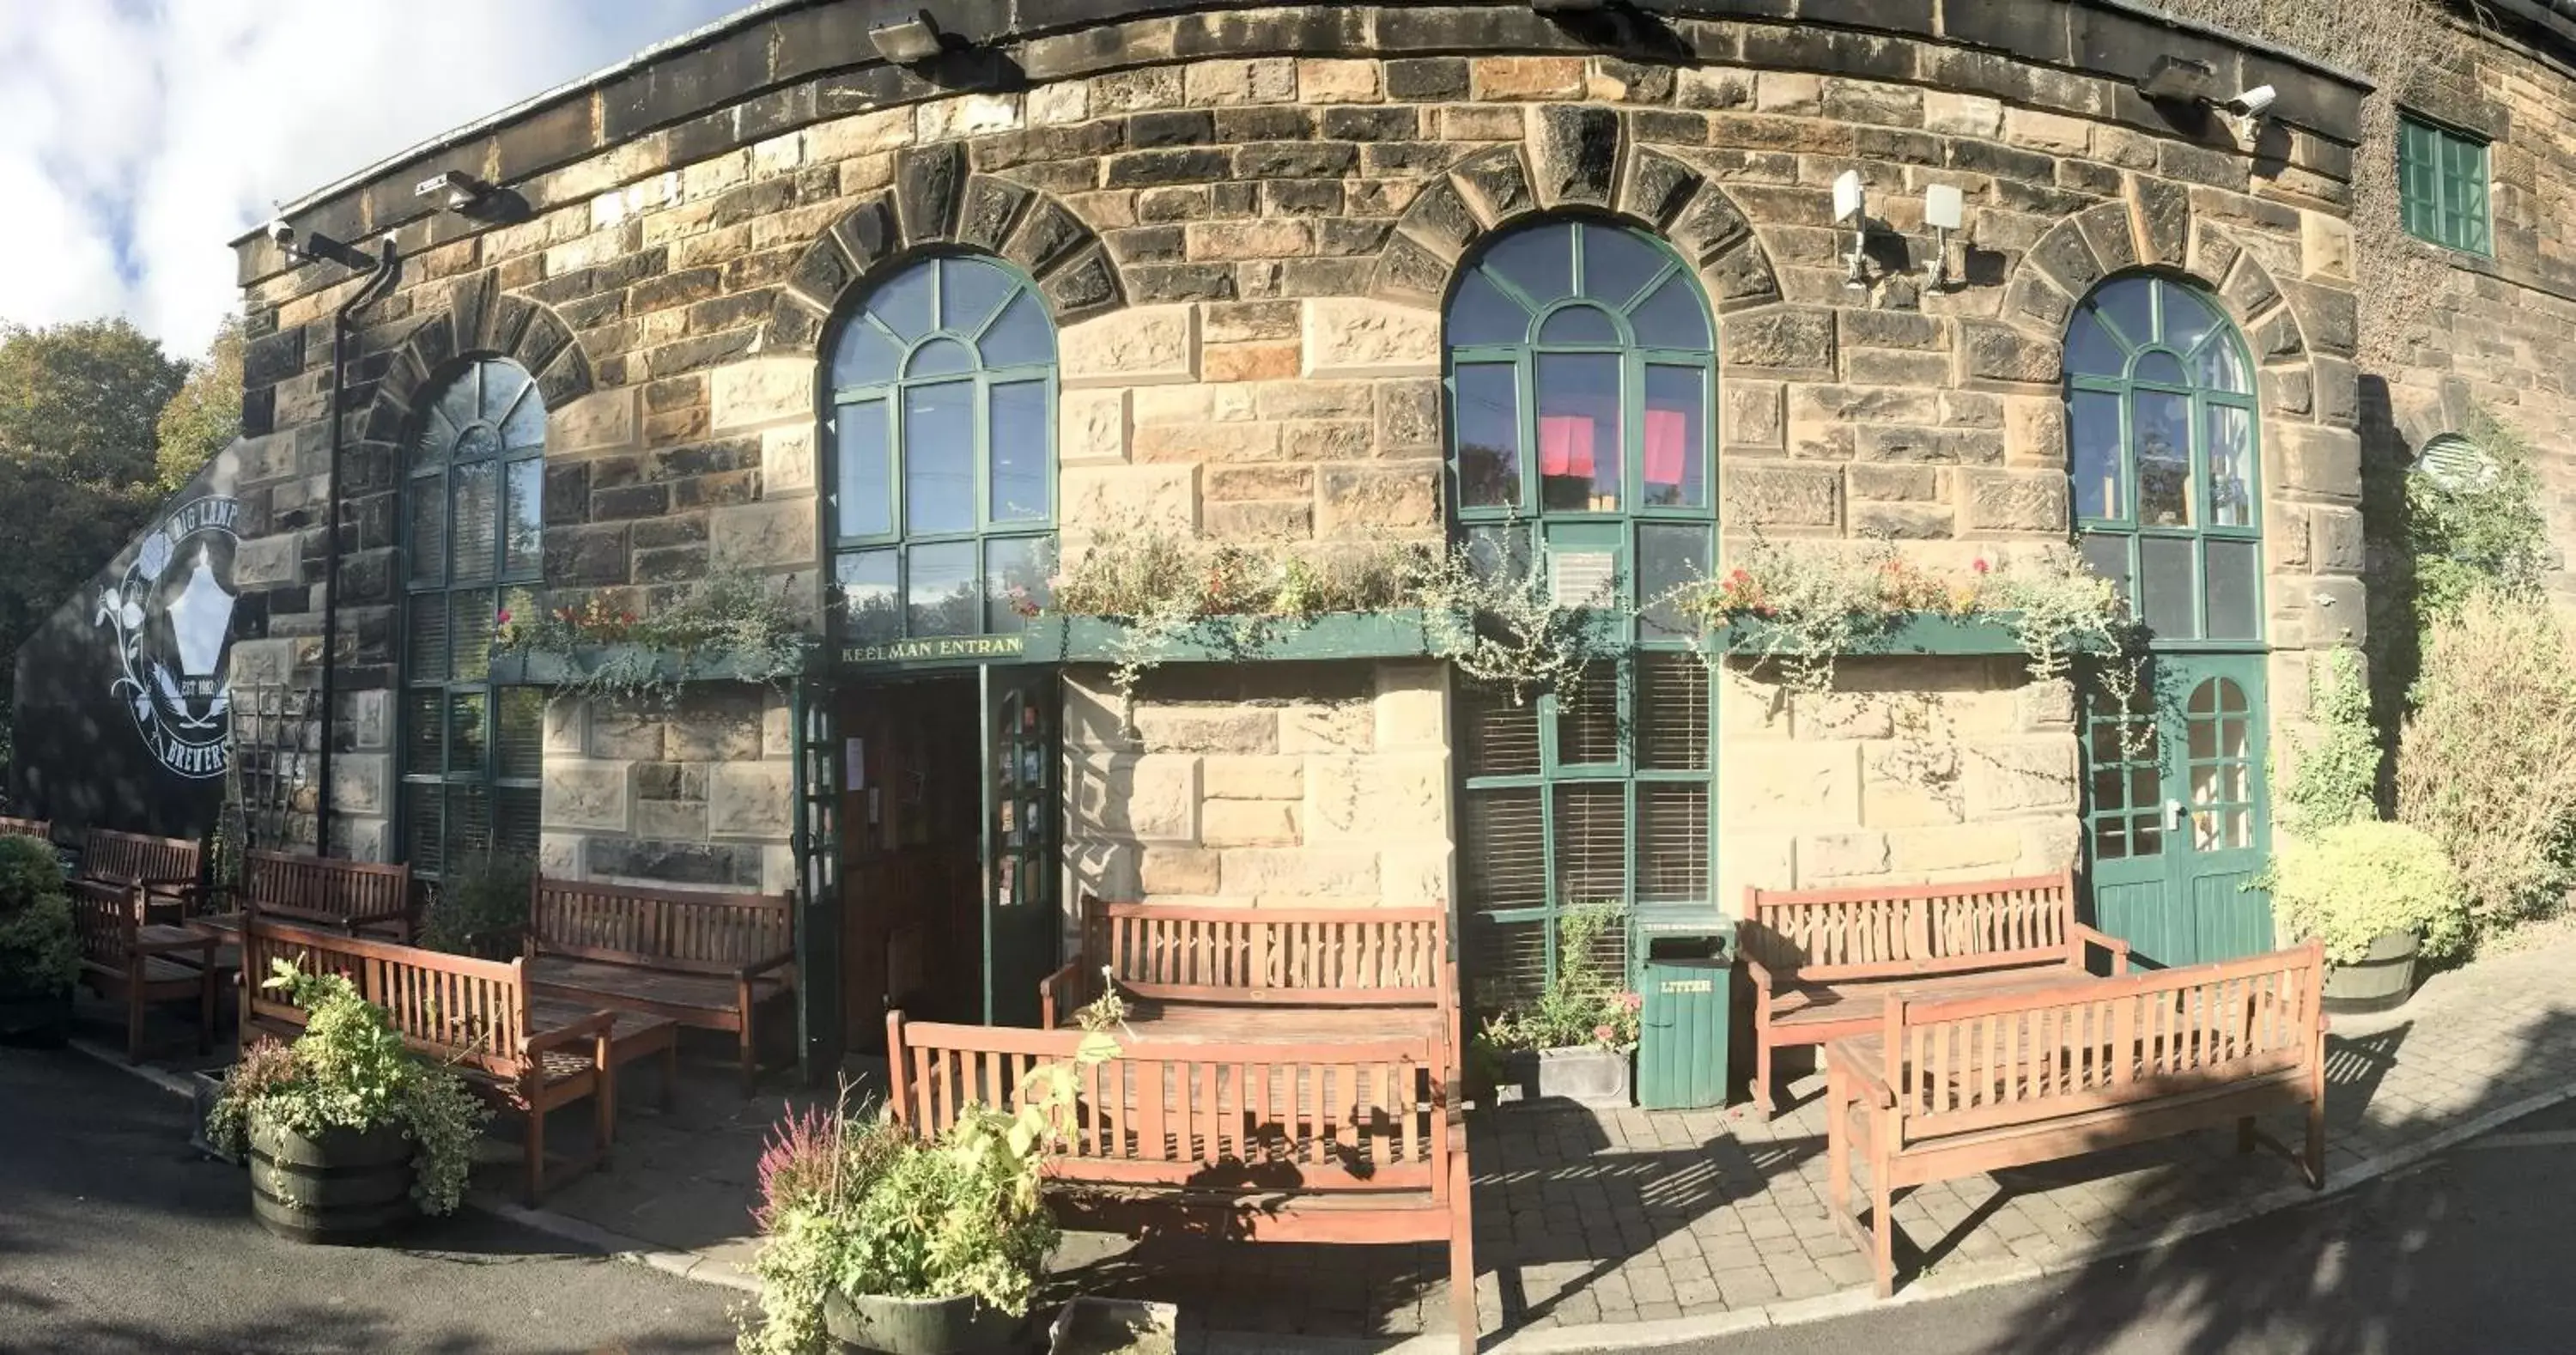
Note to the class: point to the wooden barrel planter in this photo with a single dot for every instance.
(964, 1325)
(2380, 981)
(343, 1187)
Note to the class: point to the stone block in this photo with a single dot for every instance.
(1751, 413)
(1249, 823)
(2325, 462)
(1180, 870)
(751, 799)
(1094, 426)
(1160, 497)
(269, 561)
(1956, 849)
(2025, 776)
(1781, 338)
(1378, 502)
(1781, 494)
(1207, 729)
(1358, 336)
(2035, 431)
(1414, 875)
(1137, 346)
(1252, 777)
(1794, 785)
(559, 855)
(2015, 501)
(765, 535)
(1962, 114)
(588, 795)
(599, 420)
(763, 390)
(1753, 860)
(1321, 81)
(1300, 873)
(567, 726)
(1910, 783)
(1824, 858)
(1412, 705)
(731, 732)
(787, 464)
(2335, 539)
(2325, 247)
(1145, 798)
(1335, 727)
(1386, 795)
(360, 782)
(671, 820)
(623, 734)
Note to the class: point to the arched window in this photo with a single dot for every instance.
(942, 389)
(473, 539)
(1582, 375)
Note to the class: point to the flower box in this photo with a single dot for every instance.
(1054, 638)
(1583, 1075)
(552, 668)
(1918, 633)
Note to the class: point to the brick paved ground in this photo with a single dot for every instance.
(1584, 1218)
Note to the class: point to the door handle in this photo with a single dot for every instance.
(2175, 812)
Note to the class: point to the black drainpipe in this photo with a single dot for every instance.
(379, 285)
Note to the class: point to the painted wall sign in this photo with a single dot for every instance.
(170, 620)
(949, 647)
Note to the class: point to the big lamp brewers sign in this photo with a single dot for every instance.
(170, 617)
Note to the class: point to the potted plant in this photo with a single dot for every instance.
(1574, 1043)
(350, 1135)
(480, 907)
(2376, 895)
(39, 952)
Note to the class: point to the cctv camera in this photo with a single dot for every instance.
(280, 234)
(2253, 103)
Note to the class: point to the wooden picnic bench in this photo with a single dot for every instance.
(1349, 1140)
(169, 870)
(1219, 973)
(125, 956)
(349, 896)
(706, 960)
(1824, 963)
(1946, 1087)
(518, 1050)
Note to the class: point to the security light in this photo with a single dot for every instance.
(1942, 210)
(1848, 198)
(454, 190)
(1851, 205)
(907, 42)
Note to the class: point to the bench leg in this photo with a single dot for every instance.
(1766, 1102)
(1462, 1253)
(2316, 1155)
(1837, 1146)
(750, 1062)
(1882, 1231)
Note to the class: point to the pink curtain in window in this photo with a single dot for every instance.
(1565, 445)
(1667, 445)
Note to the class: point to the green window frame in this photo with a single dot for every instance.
(2442, 178)
(941, 392)
(473, 545)
(2165, 460)
(1582, 379)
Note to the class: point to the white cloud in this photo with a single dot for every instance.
(138, 137)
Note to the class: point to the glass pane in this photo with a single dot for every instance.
(1506, 867)
(866, 581)
(522, 732)
(1496, 736)
(1481, 314)
(525, 545)
(2094, 428)
(1578, 431)
(2128, 307)
(503, 384)
(1591, 844)
(462, 402)
(2111, 839)
(2146, 834)
(1618, 265)
(2229, 454)
(2090, 349)
(1669, 558)
(866, 495)
(1499, 552)
(1578, 324)
(2221, 367)
(430, 448)
(2162, 368)
(1587, 722)
(940, 357)
(1676, 438)
(471, 621)
(970, 290)
(1486, 412)
(904, 303)
(2107, 790)
(526, 425)
(424, 733)
(1673, 317)
(2143, 788)
(2169, 586)
(2188, 319)
(1022, 337)
(2161, 435)
(1539, 261)
(1019, 449)
(2239, 831)
(864, 356)
(941, 596)
(1015, 582)
(939, 458)
(1672, 712)
(475, 442)
(478, 521)
(2235, 591)
(425, 640)
(424, 828)
(516, 814)
(466, 712)
(1672, 843)
(428, 530)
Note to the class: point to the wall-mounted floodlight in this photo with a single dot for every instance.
(907, 42)
(1943, 209)
(1851, 205)
(453, 190)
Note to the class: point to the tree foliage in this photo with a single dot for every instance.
(204, 416)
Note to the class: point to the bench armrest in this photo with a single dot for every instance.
(1864, 1078)
(2119, 949)
(1760, 973)
(759, 967)
(1060, 992)
(592, 1027)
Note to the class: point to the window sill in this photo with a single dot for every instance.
(1054, 638)
(529, 668)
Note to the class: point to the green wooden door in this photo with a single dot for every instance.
(2175, 816)
(1020, 913)
(818, 877)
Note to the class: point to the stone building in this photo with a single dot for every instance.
(1334, 275)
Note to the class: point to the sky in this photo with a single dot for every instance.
(139, 137)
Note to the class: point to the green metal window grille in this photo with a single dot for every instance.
(2165, 465)
(942, 511)
(1582, 381)
(473, 540)
(2442, 186)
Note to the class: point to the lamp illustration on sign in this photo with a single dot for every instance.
(171, 616)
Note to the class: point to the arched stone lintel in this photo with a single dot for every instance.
(480, 321)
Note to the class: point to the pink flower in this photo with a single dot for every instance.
(1632, 1002)
(1980, 566)
(1604, 1033)
(503, 619)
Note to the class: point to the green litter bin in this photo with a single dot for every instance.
(1687, 982)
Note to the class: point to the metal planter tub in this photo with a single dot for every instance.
(964, 1325)
(341, 1187)
(1584, 1075)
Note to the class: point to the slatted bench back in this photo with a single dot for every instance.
(127, 857)
(39, 829)
(676, 929)
(344, 892)
(1963, 1064)
(103, 920)
(1347, 1115)
(1887, 932)
(451, 1007)
(1338, 957)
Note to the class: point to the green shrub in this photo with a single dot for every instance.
(2336, 779)
(2487, 761)
(1582, 1006)
(39, 952)
(2482, 533)
(480, 905)
(2347, 885)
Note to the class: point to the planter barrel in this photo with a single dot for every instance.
(964, 1325)
(2380, 981)
(344, 1187)
(1584, 1075)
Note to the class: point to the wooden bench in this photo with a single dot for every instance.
(39, 829)
(124, 956)
(708, 961)
(169, 870)
(1824, 963)
(1950, 1087)
(349, 896)
(1222, 971)
(479, 1017)
(1344, 1141)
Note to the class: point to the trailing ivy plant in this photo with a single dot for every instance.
(2334, 780)
(623, 657)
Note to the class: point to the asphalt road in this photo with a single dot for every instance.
(2472, 1253)
(114, 1237)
